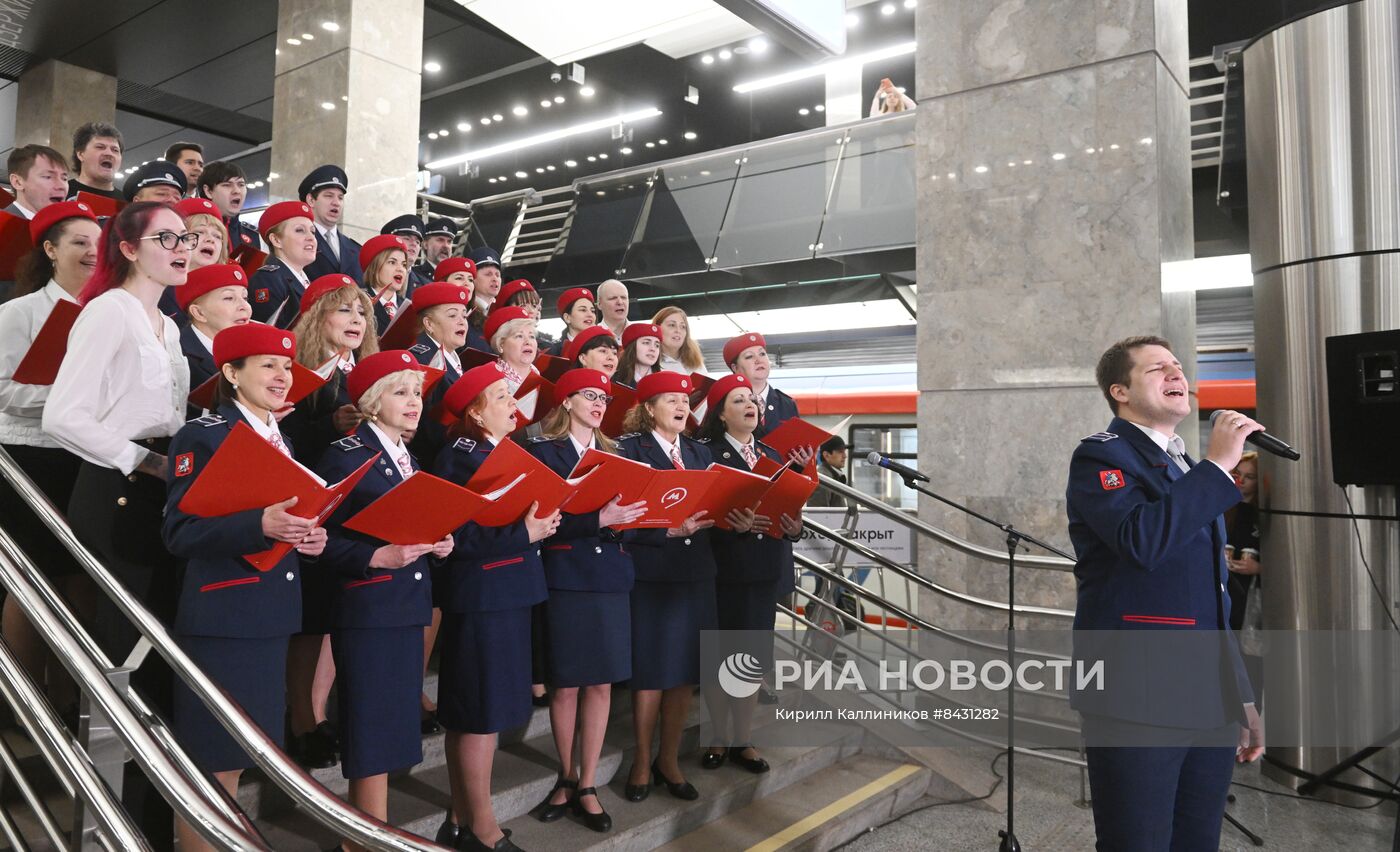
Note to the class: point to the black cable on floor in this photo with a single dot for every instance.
(1361, 547)
(1283, 795)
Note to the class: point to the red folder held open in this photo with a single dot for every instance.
(511, 480)
(251, 258)
(790, 491)
(794, 433)
(14, 244)
(734, 489)
(552, 366)
(420, 510)
(402, 330)
(102, 206)
(623, 400)
(671, 495)
(40, 364)
(247, 472)
(305, 382)
(534, 399)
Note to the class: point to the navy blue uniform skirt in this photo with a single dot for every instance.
(588, 637)
(317, 599)
(254, 673)
(378, 681)
(750, 609)
(484, 671)
(666, 622)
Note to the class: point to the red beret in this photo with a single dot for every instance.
(207, 279)
(501, 316)
(714, 400)
(510, 288)
(470, 386)
(574, 347)
(323, 285)
(252, 338)
(666, 381)
(454, 264)
(438, 293)
(736, 345)
(376, 367)
(381, 243)
(576, 380)
(188, 207)
(281, 212)
(637, 330)
(55, 213)
(566, 301)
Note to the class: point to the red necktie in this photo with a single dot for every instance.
(676, 458)
(275, 439)
(747, 452)
(405, 467)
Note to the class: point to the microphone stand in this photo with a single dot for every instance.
(1014, 537)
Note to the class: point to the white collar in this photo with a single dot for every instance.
(666, 445)
(1161, 440)
(734, 442)
(395, 448)
(264, 430)
(28, 214)
(57, 293)
(203, 338)
(326, 232)
(581, 448)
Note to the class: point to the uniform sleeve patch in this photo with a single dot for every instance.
(261, 295)
(348, 443)
(1099, 437)
(466, 445)
(1111, 479)
(184, 464)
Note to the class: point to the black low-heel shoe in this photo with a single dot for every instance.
(712, 759)
(540, 700)
(636, 792)
(429, 724)
(756, 765)
(684, 790)
(468, 842)
(598, 822)
(548, 812)
(448, 832)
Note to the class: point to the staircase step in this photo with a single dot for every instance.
(826, 810)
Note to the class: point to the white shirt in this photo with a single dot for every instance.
(205, 340)
(672, 365)
(581, 448)
(1165, 443)
(22, 406)
(118, 383)
(739, 448)
(667, 446)
(330, 236)
(28, 214)
(398, 453)
(267, 430)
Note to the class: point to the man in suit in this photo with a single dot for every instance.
(831, 463)
(438, 237)
(39, 177)
(1146, 524)
(324, 190)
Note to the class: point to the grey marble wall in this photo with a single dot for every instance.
(350, 96)
(56, 98)
(1054, 180)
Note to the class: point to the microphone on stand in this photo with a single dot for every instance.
(877, 460)
(1264, 441)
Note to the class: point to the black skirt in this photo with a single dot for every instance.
(747, 613)
(254, 673)
(55, 472)
(587, 637)
(484, 671)
(666, 622)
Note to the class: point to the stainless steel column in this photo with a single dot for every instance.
(1322, 112)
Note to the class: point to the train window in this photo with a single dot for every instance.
(899, 442)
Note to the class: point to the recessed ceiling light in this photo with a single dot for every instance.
(273, 176)
(497, 117)
(690, 134)
(539, 170)
(432, 67)
(490, 180)
(592, 159)
(432, 135)
(887, 9)
(758, 45)
(546, 103)
(330, 26)
(442, 131)
(1057, 156)
(981, 170)
(549, 168)
(294, 41)
(651, 144)
(602, 156)
(519, 109)
(327, 105)
(571, 163)
(820, 107)
(725, 54)
(625, 149)
(587, 91)
(307, 37)
(485, 120)
(463, 127)
(558, 99)
(502, 177)
(821, 70)
(661, 141)
(803, 111)
(909, 4)
(521, 174)
(708, 59)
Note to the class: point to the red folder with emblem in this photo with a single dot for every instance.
(671, 495)
(305, 382)
(40, 364)
(102, 206)
(420, 510)
(510, 480)
(247, 472)
(796, 432)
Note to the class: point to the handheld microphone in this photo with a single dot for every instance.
(1266, 442)
(877, 460)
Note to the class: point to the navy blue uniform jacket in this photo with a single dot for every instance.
(311, 424)
(365, 596)
(1149, 540)
(658, 557)
(491, 568)
(326, 264)
(221, 594)
(580, 556)
(431, 435)
(200, 359)
(751, 557)
(780, 407)
(274, 292)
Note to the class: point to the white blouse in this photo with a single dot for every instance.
(22, 406)
(118, 383)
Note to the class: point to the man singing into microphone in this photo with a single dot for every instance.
(1146, 524)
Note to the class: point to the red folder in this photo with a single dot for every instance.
(623, 400)
(700, 389)
(225, 486)
(305, 382)
(787, 496)
(14, 244)
(251, 258)
(671, 495)
(535, 398)
(402, 330)
(734, 489)
(794, 433)
(552, 366)
(102, 206)
(6, 198)
(39, 366)
(475, 358)
(511, 479)
(420, 510)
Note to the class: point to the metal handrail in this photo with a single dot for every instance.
(1029, 560)
(305, 791)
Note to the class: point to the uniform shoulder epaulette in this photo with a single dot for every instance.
(465, 445)
(348, 443)
(701, 440)
(209, 420)
(420, 347)
(540, 439)
(1098, 437)
(622, 438)
(269, 267)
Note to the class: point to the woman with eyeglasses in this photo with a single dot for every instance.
(587, 616)
(118, 398)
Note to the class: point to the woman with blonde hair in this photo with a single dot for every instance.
(679, 351)
(275, 291)
(202, 217)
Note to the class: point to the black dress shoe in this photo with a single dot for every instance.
(430, 724)
(598, 822)
(540, 700)
(468, 842)
(636, 792)
(682, 790)
(712, 759)
(448, 832)
(315, 749)
(548, 812)
(756, 765)
(767, 696)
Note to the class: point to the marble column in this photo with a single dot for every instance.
(1054, 181)
(348, 80)
(56, 98)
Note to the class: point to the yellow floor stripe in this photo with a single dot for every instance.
(837, 807)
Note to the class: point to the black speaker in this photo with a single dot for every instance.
(1363, 393)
